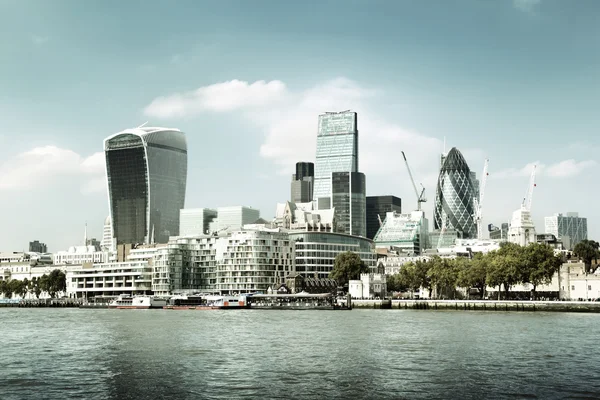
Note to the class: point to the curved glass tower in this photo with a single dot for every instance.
(146, 170)
(454, 196)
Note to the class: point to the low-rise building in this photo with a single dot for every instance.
(371, 285)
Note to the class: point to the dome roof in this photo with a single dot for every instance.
(455, 161)
(107, 220)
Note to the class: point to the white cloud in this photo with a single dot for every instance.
(39, 40)
(219, 97)
(526, 5)
(518, 172)
(43, 166)
(568, 168)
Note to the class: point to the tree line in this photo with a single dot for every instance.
(55, 282)
(508, 266)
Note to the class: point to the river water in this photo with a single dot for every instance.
(252, 354)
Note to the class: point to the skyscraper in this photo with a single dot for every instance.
(302, 183)
(146, 170)
(348, 199)
(38, 247)
(453, 208)
(337, 151)
(378, 207)
(570, 229)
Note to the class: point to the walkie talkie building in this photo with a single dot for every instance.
(146, 169)
(454, 196)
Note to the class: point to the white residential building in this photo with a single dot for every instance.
(107, 237)
(77, 255)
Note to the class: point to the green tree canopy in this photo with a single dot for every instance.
(347, 266)
(587, 250)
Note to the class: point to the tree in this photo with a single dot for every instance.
(503, 269)
(57, 282)
(408, 277)
(444, 275)
(587, 250)
(43, 285)
(395, 284)
(422, 275)
(35, 287)
(347, 266)
(540, 265)
(4, 288)
(473, 273)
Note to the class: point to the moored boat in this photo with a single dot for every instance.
(206, 302)
(137, 302)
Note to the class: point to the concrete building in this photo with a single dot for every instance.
(348, 199)
(522, 229)
(303, 217)
(371, 285)
(337, 151)
(146, 168)
(233, 218)
(570, 229)
(107, 238)
(196, 221)
(303, 183)
(377, 208)
(408, 233)
(453, 208)
(77, 255)
(38, 247)
(315, 252)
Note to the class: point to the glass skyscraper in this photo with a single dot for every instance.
(570, 229)
(146, 170)
(301, 188)
(348, 199)
(337, 151)
(377, 208)
(453, 207)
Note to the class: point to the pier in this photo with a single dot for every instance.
(481, 305)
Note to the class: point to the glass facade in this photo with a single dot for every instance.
(147, 172)
(315, 252)
(337, 149)
(571, 229)
(348, 198)
(380, 206)
(304, 170)
(453, 207)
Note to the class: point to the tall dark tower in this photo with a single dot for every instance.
(302, 183)
(146, 170)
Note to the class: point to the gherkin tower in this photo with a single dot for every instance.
(454, 196)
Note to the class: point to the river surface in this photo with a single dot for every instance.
(253, 354)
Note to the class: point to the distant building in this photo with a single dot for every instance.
(107, 238)
(370, 285)
(233, 218)
(38, 247)
(570, 229)
(406, 233)
(448, 238)
(95, 243)
(303, 217)
(146, 170)
(522, 229)
(377, 208)
(498, 233)
(81, 255)
(348, 199)
(337, 151)
(195, 221)
(303, 183)
(453, 208)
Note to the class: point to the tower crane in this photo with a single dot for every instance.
(420, 197)
(478, 202)
(529, 196)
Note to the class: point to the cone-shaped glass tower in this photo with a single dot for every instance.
(454, 196)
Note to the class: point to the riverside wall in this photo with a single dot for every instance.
(480, 305)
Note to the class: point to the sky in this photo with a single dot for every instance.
(514, 81)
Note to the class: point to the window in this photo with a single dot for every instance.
(572, 287)
(589, 287)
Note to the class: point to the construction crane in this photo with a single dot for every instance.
(420, 197)
(380, 221)
(529, 196)
(478, 202)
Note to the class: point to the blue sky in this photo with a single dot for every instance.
(514, 81)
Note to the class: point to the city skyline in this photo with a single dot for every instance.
(521, 91)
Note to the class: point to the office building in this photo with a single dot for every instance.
(233, 218)
(404, 233)
(107, 239)
(348, 200)
(377, 208)
(315, 252)
(337, 151)
(498, 233)
(302, 183)
(570, 229)
(195, 221)
(37, 247)
(147, 170)
(453, 208)
(304, 217)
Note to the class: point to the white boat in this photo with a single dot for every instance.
(206, 302)
(137, 302)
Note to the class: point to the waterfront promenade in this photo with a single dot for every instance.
(481, 305)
